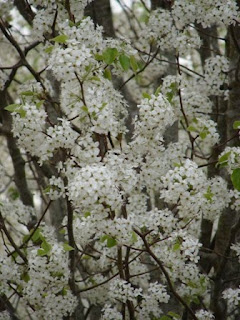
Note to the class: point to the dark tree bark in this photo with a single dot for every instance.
(229, 223)
(100, 12)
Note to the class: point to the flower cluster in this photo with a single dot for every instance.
(205, 12)
(47, 285)
(122, 290)
(204, 315)
(232, 296)
(121, 190)
(163, 31)
(204, 130)
(215, 75)
(182, 186)
(28, 126)
(188, 187)
(56, 188)
(155, 114)
(16, 213)
(95, 189)
(156, 294)
(110, 313)
(61, 136)
(230, 158)
(10, 273)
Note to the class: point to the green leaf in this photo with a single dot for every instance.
(49, 49)
(46, 190)
(176, 246)
(174, 315)
(111, 242)
(28, 93)
(203, 134)
(133, 63)
(12, 107)
(192, 284)
(25, 277)
(124, 61)
(170, 96)
(109, 55)
(85, 108)
(36, 235)
(158, 90)
(209, 194)
(236, 124)
(87, 214)
(16, 108)
(134, 237)
(67, 247)
(107, 74)
(146, 95)
(46, 246)
(39, 104)
(13, 193)
(62, 38)
(222, 161)
(94, 78)
(177, 165)
(98, 57)
(191, 129)
(165, 318)
(64, 292)
(41, 252)
(103, 238)
(235, 177)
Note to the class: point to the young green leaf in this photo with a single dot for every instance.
(12, 107)
(109, 55)
(222, 161)
(62, 38)
(36, 235)
(176, 246)
(107, 74)
(174, 315)
(165, 318)
(236, 124)
(49, 49)
(67, 247)
(85, 108)
(25, 276)
(191, 129)
(111, 242)
(46, 246)
(124, 61)
(146, 95)
(41, 252)
(28, 93)
(203, 134)
(208, 195)
(235, 177)
(133, 63)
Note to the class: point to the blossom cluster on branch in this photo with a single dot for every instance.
(131, 204)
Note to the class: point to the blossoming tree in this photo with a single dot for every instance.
(120, 160)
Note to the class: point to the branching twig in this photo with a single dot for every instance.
(164, 271)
